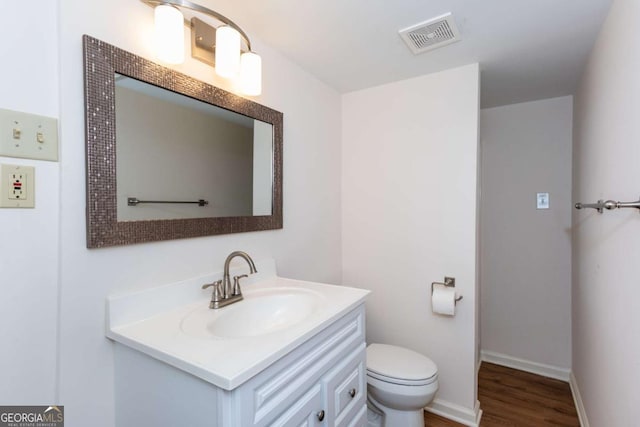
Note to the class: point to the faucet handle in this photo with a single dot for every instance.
(236, 284)
(216, 290)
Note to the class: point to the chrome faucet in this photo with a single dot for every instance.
(223, 293)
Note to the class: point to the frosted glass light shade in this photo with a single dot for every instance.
(251, 74)
(169, 34)
(227, 52)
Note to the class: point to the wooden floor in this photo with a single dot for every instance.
(509, 397)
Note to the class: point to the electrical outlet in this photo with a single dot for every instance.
(17, 184)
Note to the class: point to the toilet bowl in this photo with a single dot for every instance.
(400, 383)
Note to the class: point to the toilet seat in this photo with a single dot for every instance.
(400, 381)
(397, 365)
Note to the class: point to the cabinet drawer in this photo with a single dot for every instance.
(346, 387)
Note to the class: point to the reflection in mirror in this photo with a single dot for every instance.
(173, 148)
(165, 146)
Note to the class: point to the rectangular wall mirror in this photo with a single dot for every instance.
(171, 157)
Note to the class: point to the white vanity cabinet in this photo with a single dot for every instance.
(320, 382)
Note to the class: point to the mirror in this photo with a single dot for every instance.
(179, 150)
(171, 157)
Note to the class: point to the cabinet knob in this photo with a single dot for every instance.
(321, 415)
(352, 392)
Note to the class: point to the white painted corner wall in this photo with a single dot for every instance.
(409, 165)
(29, 237)
(606, 248)
(525, 252)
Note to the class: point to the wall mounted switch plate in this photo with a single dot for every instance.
(17, 186)
(542, 200)
(28, 136)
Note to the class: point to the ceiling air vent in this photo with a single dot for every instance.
(431, 34)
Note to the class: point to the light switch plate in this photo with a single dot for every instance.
(17, 186)
(28, 136)
(542, 200)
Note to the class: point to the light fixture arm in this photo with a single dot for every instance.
(197, 8)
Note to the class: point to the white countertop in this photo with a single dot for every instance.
(150, 322)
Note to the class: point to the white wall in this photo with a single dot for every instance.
(308, 247)
(606, 291)
(409, 215)
(29, 237)
(525, 252)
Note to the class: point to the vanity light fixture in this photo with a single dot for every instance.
(224, 46)
(251, 73)
(227, 52)
(169, 34)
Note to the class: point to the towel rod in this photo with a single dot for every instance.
(133, 201)
(608, 204)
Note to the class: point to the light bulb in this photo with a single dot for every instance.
(251, 74)
(227, 51)
(169, 34)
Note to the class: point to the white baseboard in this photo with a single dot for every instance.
(457, 413)
(526, 365)
(577, 399)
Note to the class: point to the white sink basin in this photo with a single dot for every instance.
(262, 311)
(228, 346)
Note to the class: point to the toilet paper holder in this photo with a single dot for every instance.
(449, 282)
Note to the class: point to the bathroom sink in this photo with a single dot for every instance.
(262, 311)
(228, 346)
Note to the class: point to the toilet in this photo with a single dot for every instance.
(400, 383)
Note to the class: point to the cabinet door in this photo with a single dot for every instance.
(270, 394)
(305, 412)
(357, 420)
(346, 388)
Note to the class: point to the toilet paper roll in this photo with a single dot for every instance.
(443, 300)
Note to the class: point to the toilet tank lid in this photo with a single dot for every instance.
(398, 362)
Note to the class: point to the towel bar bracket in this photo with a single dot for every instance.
(610, 205)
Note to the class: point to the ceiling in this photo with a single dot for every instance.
(527, 50)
